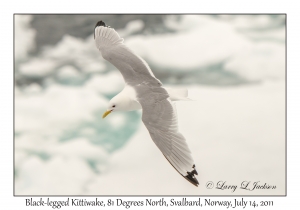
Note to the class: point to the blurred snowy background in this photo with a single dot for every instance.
(233, 66)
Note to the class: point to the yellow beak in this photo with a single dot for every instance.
(106, 113)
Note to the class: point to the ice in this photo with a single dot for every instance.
(57, 165)
(24, 37)
(261, 62)
(69, 45)
(117, 120)
(68, 72)
(63, 146)
(54, 177)
(57, 109)
(80, 148)
(20, 157)
(202, 41)
(33, 88)
(37, 67)
(227, 143)
(91, 66)
(108, 84)
(69, 75)
(257, 22)
(274, 35)
(207, 42)
(131, 28)
(81, 53)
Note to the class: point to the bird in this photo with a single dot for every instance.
(144, 91)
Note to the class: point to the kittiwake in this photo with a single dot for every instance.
(144, 91)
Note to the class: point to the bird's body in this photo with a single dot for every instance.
(144, 91)
(129, 100)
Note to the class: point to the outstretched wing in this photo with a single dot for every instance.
(159, 115)
(160, 118)
(133, 68)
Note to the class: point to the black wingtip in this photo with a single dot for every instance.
(191, 178)
(100, 23)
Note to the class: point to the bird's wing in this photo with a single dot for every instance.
(160, 118)
(159, 115)
(133, 68)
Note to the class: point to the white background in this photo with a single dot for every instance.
(290, 7)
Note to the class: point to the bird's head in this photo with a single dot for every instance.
(115, 104)
(111, 107)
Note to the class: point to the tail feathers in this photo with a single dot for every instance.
(181, 99)
(178, 94)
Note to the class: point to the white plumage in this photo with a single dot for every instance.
(144, 90)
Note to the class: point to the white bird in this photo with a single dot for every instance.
(144, 91)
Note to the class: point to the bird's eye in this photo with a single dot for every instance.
(114, 106)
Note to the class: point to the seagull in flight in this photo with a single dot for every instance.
(144, 91)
